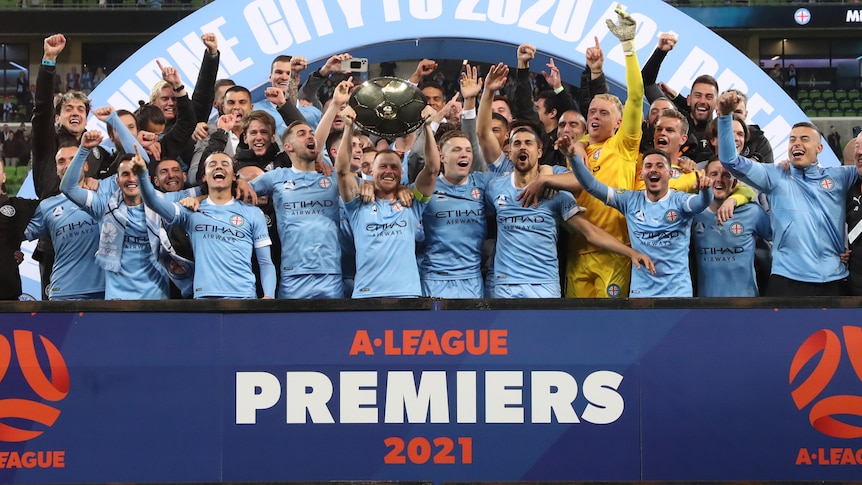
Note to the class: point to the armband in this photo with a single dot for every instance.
(420, 197)
(48, 62)
(179, 88)
(559, 90)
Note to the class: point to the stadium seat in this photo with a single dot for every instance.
(853, 94)
(805, 105)
(836, 113)
(850, 112)
(827, 94)
(802, 95)
(840, 94)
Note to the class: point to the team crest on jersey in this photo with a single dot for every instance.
(614, 291)
(501, 200)
(827, 184)
(699, 227)
(268, 220)
(737, 229)
(58, 211)
(671, 216)
(476, 193)
(109, 233)
(596, 156)
(237, 220)
(639, 215)
(325, 183)
(289, 184)
(7, 210)
(397, 207)
(675, 173)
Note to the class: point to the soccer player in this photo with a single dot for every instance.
(224, 233)
(725, 251)
(455, 225)
(384, 231)
(807, 205)
(526, 264)
(129, 238)
(658, 220)
(307, 208)
(75, 234)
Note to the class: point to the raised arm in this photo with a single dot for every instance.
(753, 174)
(69, 185)
(522, 105)
(649, 73)
(202, 98)
(44, 139)
(589, 182)
(633, 113)
(593, 80)
(348, 187)
(427, 178)
(109, 116)
(340, 97)
(471, 86)
(495, 80)
(163, 207)
(697, 203)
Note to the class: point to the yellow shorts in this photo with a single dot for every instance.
(598, 274)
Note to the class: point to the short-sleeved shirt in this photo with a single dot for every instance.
(455, 228)
(75, 235)
(385, 238)
(527, 236)
(224, 238)
(307, 209)
(725, 253)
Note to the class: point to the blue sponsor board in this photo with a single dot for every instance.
(535, 395)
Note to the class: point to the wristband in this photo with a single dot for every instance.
(48, 62)
(421, 198)
(179, 88)
(559, 90)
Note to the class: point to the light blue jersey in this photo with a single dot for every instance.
(137, 274)
(385, 239)
(455, 228)
(725, 253)
(75, 235)
(223, 238)
(807, 209)
(311, 114)
(527, 236)
(659, 229)
(308, 215)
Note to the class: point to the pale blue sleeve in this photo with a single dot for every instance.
(696, 203)
(753, 174)
(590, 184)
(69, 185)
(262, 184)
(126, 139)
(267, 270)
(36, 226)
(168, 210)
